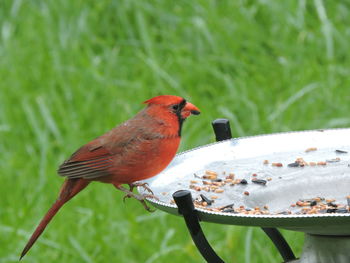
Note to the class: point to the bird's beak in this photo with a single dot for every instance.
(190, 109)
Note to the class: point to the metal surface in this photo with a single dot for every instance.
(245, 156)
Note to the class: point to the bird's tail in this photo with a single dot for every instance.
(69, 189)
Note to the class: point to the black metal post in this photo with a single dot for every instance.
(183, 200)
(222, 131)
(280, 243)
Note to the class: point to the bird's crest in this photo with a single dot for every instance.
(164, 99)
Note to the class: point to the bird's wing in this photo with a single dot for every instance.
(110, 150)
(90, 161)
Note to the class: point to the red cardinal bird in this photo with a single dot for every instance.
(135, 150)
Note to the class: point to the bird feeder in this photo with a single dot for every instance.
(299, 181)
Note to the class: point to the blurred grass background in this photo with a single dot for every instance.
(71, 70)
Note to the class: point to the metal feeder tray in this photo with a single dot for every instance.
(327, 235)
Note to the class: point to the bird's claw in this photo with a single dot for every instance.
(152, 196)
(125, 197)
(144, 185)
(141, 199)
(147, 207)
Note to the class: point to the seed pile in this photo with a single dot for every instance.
(230, 208)
(210, 182)
(300, 162)
(210, 185)
(320, 205)
(317, 205)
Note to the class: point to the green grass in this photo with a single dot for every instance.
(71, 70)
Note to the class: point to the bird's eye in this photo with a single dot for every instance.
(175, 107)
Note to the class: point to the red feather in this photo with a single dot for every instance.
(69, 189)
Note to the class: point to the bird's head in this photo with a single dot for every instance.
(175, 105)
(171, 109)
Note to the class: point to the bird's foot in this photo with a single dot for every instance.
(140, 198)
(137, 184)
(147, 207)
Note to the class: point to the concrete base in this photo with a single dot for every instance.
(325, 249)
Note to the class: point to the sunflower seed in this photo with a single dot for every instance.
(259, 181)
